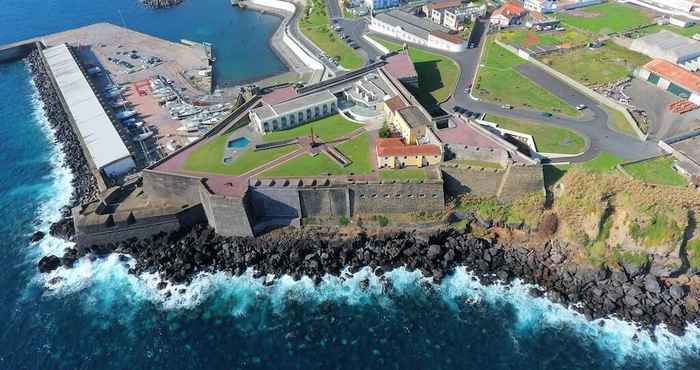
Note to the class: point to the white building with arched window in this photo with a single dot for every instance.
(293, 112)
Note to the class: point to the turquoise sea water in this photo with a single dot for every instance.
(98, 316)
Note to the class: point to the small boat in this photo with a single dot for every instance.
(122, 115)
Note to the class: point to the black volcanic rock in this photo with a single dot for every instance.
(37, 236)
(49, 263)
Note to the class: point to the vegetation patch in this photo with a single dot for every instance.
(618, 122)
(316, 26)
(499, 81)
(327, 129)
(594, 67)
(657, 170)
(693, 250)
(526, 39)
(548, 139)
(403, 174)
(437, 74)
(606, 18)
(603, 162)
(209, 157)
(526, 210)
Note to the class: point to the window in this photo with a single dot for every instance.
(374, 195)
(421, 195)
(387, 195)
(284, 121)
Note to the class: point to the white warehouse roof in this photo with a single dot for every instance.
(104, 144)
(667, 45)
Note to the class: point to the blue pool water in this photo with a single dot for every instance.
(238, 143)
(101, 317)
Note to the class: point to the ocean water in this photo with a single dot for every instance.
(98, 316)
(239, 37)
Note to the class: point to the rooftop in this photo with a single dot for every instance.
(395, 103)
(279, 95)
(675, 74)
(418, 26)
(396, 147)
(413, 116)
(438, 5)
(268, 111)
(509, 10)
(400, 66)
(94, 125)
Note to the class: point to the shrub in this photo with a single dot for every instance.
(549, 224)
(384, 132)
(344, 221)
(381, 220)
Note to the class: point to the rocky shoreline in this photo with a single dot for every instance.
(84, 184)
(637, 295)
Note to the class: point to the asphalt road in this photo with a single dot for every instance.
(592, 124)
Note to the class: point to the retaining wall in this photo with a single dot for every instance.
(12, 52)
(399, 197)
(228, 216)
(480, 182)
(334, 202)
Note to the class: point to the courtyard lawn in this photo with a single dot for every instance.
(403, 174)
(357, 150)
(437, 74)
(209, 158)
(596, 66)
(316, 26)
(603, 162)
(499, 81)
(548, 139)
(527, 39)
(328, 129)
(606, 18)
(657, 170)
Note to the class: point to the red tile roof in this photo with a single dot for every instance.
(674, 73)
(445, 4)
(395, 147)
(400, 66)
(509, 10)
(280, 95)
(395, 103)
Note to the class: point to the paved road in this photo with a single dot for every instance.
(593, 124)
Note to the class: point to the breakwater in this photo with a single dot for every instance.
(84, 184)
(637, 295)
(160, 4)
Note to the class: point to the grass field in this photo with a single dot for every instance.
(607, 18)
(596, 66)
(403, 174)
(316, 26)
(437, 74)
(209, 158)
(603, 162)
(527, 39)
(357, 150)
(618, 122)
(499, 81)
(328, 128)
(658, 170)
(548, 139)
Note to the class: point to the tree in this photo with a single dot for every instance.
(384, 132)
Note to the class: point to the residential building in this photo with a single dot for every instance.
(381, 4)
(540, 6)
(411, 123)
(394, 153)
(540, 22)
(293, 112)
(436, 10)
(686, 8)
(507, 15)
(407, 27)
(672, 78)
(454, 18)
(671, 47)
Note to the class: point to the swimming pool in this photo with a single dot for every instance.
(238, 143)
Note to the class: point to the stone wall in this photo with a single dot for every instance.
(269, 203)
(396, 197)
(520, 181)
(480, 182)
(14, 52)
(228, 216)
(171, 186)
(325, 202)
(461, 152)
(116, 230)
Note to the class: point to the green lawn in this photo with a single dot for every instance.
(316, 26)
(603, 162)
(596, 66)
(607, 18)
(618, 122)
(403, 174)
(328, 128)
(658, 170)
(357, 150)
(526, 39)
(548, 139)
(437, 74)
(499, 81)
(209, 158)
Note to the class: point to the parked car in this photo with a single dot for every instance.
(507, 106)
(547, 114)
(581, 107)
(458, 109)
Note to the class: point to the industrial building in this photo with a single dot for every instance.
(672, 78)
(105, 147)
(407, 27)
(671, 47)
